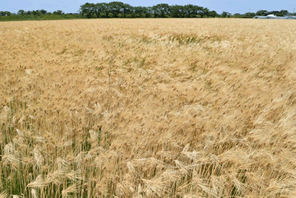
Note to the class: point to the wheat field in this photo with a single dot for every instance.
(148, 108)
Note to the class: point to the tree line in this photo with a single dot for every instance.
(29, 12)
(117, 9)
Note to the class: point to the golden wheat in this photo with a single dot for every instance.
(148, 108)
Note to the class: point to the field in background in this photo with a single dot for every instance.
(148, 108)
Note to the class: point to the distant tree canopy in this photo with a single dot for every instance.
(226, 14)
(31, 12)
(58, 12)
(117, 9)
(5, 13)
(21, 12)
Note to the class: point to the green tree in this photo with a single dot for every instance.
(149, 12)
(21, 12)
(35, 13)
(225, 14)
(161, 10)
(177, 11)
(140, 12)
(116, 8)
(125, 9)
(284, 12)
(249, 15)
(107, 9)
(43, 11)
(97, 9)
(213, 14)
(203, 12)
(261, 13)
(7, 13)
(237, 15)
(58, 12)
(86, 9)
(192, 11)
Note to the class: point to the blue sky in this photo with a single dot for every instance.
(232, 6)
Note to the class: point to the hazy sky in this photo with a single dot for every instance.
(232, 6)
